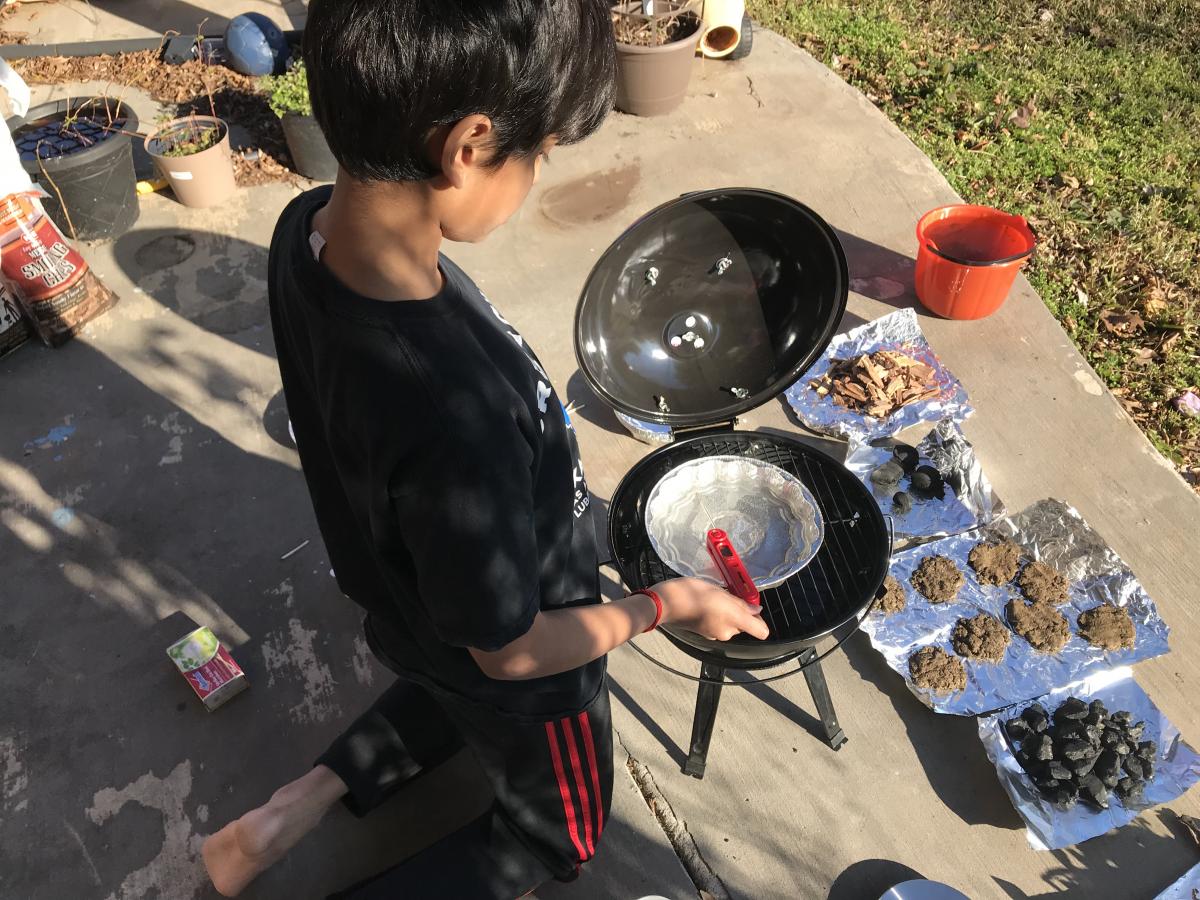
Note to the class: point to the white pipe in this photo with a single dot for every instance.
(722, 27)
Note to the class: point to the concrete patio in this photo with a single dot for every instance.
(177, 493)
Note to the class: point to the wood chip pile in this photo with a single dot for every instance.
(876, 384)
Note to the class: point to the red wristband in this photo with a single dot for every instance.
(658, 606)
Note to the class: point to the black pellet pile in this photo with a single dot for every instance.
(1083, 752)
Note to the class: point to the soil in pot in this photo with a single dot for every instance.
(654, 57)
(193, 155)
(80, 152)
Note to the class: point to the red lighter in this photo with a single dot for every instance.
(729, 564)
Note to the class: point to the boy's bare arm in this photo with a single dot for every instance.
(565, 639)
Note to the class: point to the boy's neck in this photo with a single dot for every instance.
(381, 240)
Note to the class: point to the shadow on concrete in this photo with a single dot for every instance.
(947, 746)
(1090, 869)
(214, 280)
(647, 721)
(183, 17)
(781, 704)
(870, 878)
(879, 273)
(586, 405)
(141, 520)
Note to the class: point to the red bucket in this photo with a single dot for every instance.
(968, 258)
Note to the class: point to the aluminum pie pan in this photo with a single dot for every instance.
(771, 518)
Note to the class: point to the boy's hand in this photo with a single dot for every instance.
(709, 611)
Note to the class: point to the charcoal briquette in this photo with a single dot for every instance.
(1134, 732)
(1082, 766)
(1098, 706)
(1107, 763)
(1092, 790)
(1147, 749)
(1074, 751)
(1071, 708)
(1040, 747)
(1055, 769)
(1037, 717)
(1017, 729)
(927, 481)
(1046, 785)
(1071, 731)
(901, 503)
(1133, 765)
(1109, 738)
(889, 473)
(906, 456)
(1122, 717)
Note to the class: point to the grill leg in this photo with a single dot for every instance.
(820, 694)
(707, 698)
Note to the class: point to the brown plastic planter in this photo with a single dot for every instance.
(201, 179)
(652, 81)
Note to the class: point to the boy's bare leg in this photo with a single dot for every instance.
(243, 849)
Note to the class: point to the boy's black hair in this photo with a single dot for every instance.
(384, 73)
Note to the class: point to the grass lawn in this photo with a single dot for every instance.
(1083, 116)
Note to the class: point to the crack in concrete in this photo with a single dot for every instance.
(753, 93)
(706, 881)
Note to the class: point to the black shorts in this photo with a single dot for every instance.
(552, 782)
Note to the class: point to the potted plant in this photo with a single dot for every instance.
(288, 97)
(80, 152)
(192, 153)
(656, 41)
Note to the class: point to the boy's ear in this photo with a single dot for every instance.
(465, 148)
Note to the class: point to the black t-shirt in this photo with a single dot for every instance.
(443, 470)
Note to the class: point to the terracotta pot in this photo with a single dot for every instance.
(652, 81)
(198, 179)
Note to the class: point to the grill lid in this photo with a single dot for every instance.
(709, 306)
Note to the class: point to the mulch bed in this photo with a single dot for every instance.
(188, 88)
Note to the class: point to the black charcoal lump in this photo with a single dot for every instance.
(906, 456)
(1082, 751)
(901, 503)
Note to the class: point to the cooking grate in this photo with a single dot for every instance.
(834, 588)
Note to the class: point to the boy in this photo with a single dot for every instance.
(442, 468)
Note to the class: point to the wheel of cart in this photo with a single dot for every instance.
(746, 43)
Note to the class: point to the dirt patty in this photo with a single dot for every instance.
(891, 596)
(1044, 584)
(938, 579)
(995, 562)
(936, 670)
(981, 637)
(1107, 626)
(1040, 624)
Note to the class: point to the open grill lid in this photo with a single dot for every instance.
(709, 306)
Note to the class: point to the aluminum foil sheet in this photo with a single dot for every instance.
(1048, 530)
(770, 516)
(1186, 888)
(969, 502)
(646, 432)
(895, 331)
(1176, 769)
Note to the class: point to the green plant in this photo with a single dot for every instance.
(191, 136)
(288, 93)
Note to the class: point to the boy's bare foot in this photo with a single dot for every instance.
(245, 848)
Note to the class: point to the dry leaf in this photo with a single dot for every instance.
(1120, 323)
(1142, 356)
(1154, 301)
(1023, 114)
